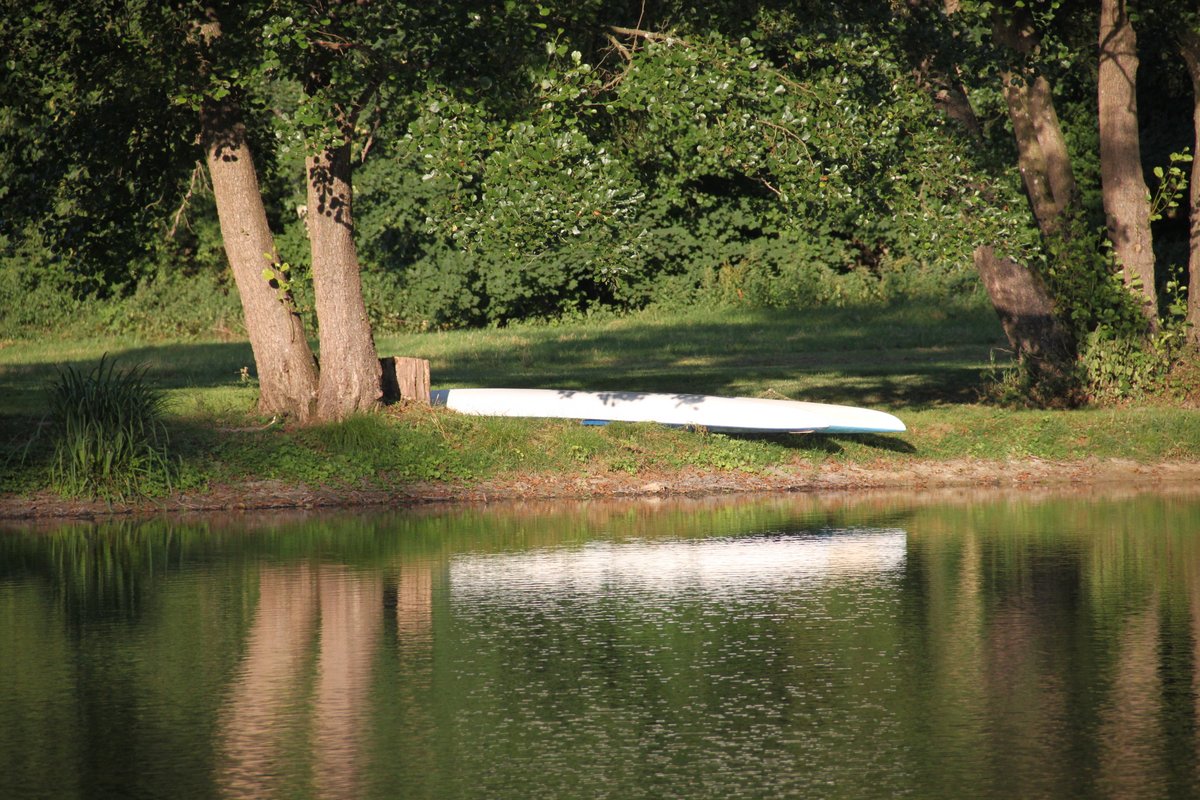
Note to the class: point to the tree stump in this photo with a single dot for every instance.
(405, 379)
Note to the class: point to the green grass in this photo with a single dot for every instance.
(925, 363)
(108, 435)
(915, 355)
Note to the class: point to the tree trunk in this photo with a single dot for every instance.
(1027, 315)
(1190, 46)
(406, 379)
(1126, 197)
(287, 372)
(1042, 153)
(1030, 157)
(947, 89)
(1060, 176)
(350, 370)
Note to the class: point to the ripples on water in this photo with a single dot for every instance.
(677, 666)
(789, 648)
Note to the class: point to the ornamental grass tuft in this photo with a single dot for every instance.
(109, 437)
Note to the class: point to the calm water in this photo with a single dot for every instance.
(995, 646)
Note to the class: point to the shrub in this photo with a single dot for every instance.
(109, 439)
(171, 305)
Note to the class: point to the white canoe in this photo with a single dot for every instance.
(703, 411)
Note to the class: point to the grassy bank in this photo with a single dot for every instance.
(922, 362)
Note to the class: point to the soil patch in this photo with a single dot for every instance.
(265, 495)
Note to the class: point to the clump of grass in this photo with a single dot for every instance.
(109, 438)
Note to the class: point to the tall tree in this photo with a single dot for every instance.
(1189, 45)
(318, 49)
(1045, 164)
(1032, 322)
(287, 371)
(340, 54)
(1126, 196)
(350, 371)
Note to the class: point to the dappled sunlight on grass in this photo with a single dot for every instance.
(216, 402)
(897, 355)
(24, 372)
(924, 364)
(918, 355)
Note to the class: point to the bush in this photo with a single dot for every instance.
(109, 439)
(35, 292)
(175, 305)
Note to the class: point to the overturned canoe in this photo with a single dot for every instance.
(747, 414)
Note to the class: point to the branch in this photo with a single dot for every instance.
(767, 184)
(625, 54)
(652, 36)
(348, 119)
(328, 42)
(791, 134)
(187, 198)
(370, 137)
(622, 49)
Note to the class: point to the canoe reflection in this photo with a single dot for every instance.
(709, 566)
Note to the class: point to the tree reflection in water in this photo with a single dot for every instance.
(991, 647)
(337, 613)
(270, 689)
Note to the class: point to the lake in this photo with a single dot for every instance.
(952, 645)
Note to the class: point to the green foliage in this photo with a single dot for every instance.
(173, 306)
(1120, 368)
(109, 437)
(1123, 360)
(165, 304)
(1172, 183)
(1022, 385)
(89, 162)
(1120, 357)
(731, 454)
(35, 293)
(788, 170)
(530, 161)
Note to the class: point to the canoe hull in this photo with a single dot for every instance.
(744, 414)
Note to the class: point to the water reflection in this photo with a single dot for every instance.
(302, 612)
(270, 686)
(719, 566)
(995, 647)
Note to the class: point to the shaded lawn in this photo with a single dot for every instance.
(909, 356)
(924, 362)
(905, 356)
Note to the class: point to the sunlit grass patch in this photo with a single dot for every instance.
(924, 367)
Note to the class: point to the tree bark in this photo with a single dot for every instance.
(287, 371)
(405, 378)
(1042, 155)
(1031, 159)
(1126, 197)
(1189, 45)
(947, 89)
(1059, 174)
(350, 370)
(1027, 315)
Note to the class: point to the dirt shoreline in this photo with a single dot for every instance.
(841, 478)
